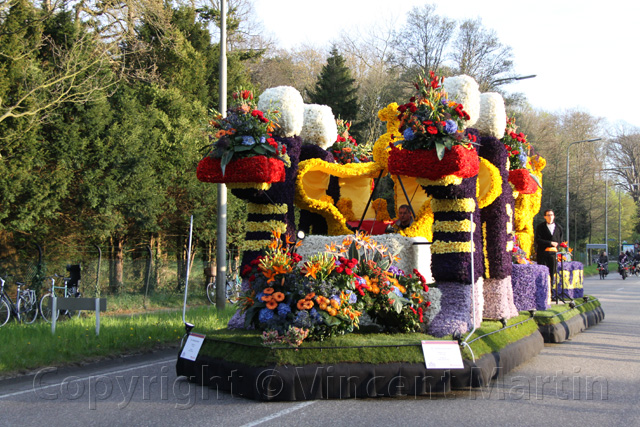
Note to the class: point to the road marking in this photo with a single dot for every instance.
(133, 368)
(281, 413)
(619, 289)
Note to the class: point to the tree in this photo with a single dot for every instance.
(298, 68)
(336, 88)
(421, 44)
(477, 52)
(51, 71)
(369, 55)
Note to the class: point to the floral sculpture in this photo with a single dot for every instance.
(326, 295)
(244, 153)
(272, 209)
(518, 147)
(346, 149)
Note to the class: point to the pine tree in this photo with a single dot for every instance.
(336, 88)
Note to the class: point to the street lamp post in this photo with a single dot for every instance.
(508, 79)
(606, 203)
(568, 146)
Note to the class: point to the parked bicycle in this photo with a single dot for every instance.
(232, 288)
(69, 290)
(24, 310)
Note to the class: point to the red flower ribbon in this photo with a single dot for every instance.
(246, 169)
(459, 160)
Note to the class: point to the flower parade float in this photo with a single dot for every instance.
(341, 314)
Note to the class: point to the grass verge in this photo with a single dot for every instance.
(28, 347)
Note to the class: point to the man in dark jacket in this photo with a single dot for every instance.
(548, 236)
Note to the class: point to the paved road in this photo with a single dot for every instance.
(593, 379)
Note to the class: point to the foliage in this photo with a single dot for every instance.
(336, 88)
(430, 120)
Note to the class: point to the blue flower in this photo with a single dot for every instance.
(263, 140)
(248, 140)
(283, 309)
(450, 126)
(353, 298)
(265, 315)
(396, 291)
(408, 134)
(523, 158)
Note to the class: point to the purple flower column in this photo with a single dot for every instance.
(454, 206)
(497, 224)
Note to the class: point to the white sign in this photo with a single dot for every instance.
(192, 347)
(442, 355)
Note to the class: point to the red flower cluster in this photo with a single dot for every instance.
(459, 160)
(245, 169)
(460, 111)
(244, 94)
(522, 181)
(346, 266)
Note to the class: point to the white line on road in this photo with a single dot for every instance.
(619, 289)
(280, 413)
(119, 371)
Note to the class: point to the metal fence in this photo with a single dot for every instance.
(142, 270)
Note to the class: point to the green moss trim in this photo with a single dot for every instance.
(562, 312)
(245, 346)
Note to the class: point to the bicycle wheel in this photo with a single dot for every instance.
(45, 308)
(211, 292)
(5, 312)
(28, 310)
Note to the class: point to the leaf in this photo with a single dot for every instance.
(268, 148)
(440, 150)
(239, 148)
(353, 252)
(535, 179)
(249, 315)
(328, 319)
(224, 161)
(258, 150)
(396, 304)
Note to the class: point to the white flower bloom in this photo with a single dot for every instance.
(493, 116)
(319, 127)
(464, 90)
(288, 101)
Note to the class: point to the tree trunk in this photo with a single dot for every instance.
(181, 256)
(116, 265)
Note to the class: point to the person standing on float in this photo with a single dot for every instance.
(548, 237)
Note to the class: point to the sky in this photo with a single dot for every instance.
(584, 53)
